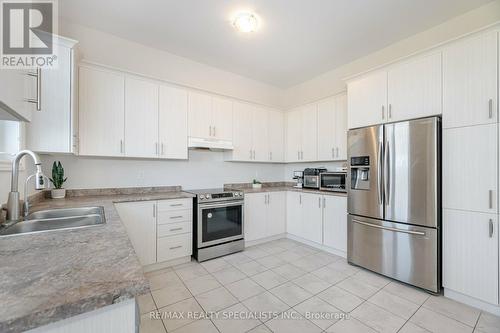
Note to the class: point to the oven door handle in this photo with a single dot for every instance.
(219, 205)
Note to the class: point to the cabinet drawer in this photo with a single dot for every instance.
(173, 247)
(177, 204)
(174, 229)
(175, 216)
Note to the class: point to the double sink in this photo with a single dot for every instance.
(56, 219)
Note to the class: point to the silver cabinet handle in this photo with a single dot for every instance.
(214, 130)
(175, 205)
(268, 199)
(298, 155)
(301, 155)
(319, 202)
(176, 247)
(333, 152)
(390, 111)
(270, 155)
(176, 229)
(156, 148)
(254, 154)
(420, 233)
(154, 210)
(250, 153)
(38, 99)
(490, 108)
(490, 226)
(337, 152)
(209, 130)
(121, 146)
(324, 202)
(162, 149)
(300, 199)
(383, 111)
(176, 217)
(490, 198)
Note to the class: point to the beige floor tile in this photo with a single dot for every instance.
(217, 299)
(344, 267)
(289, 256)
(305, 250)
(437, 323)
(171, 294)
(229, 275)
(198, 326)
(149, 325)
(162, 280)
(260, 329)
(215, 265)
(373, 279)
(450, 308)
(395, 304)
(251, 268)
(180, 314)
(236, 319)
(191, 272)
(289, 271)
(237, 258)
(290, 293)
(146, 303)
(330, 275)
(288, 324)
(255, 253)
(488, 323)
(158, 272)
(308, 263)
(412, 328)
(378, 318)
(319, 312)
(272, 249)
(340, 298)
(412, 294)
(270, 261)
(358, 287)
(244, 289)
(350, 325)
(202, 284)
(269, 279)
(266, 303)
(311, 283)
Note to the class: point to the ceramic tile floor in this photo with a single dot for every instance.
(286, 286)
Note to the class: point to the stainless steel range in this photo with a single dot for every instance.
(218, 223)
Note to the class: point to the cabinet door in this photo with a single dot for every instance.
(260, 130)
(276, 136)
(222, 119)
(255, 216)
(294, 213)
(470, 82)
(173, 123)
(276, 213)
(140, 221)
(367, 100)
(311, 218)
(51, 129)
(415, 88)
(101, 112)
(340, 127)
(141, 118)
(293, 135)
(309, 151)
(327, 130)
(470, 254)
(470, 168)
(243, 131)
(199, 115)
(335, 222)
(13, 94)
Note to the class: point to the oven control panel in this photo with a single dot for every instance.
(222, 196)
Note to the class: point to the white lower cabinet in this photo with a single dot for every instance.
(159, 230)
(311, 218)
(335, 222)
(264, 215)
(294, 213)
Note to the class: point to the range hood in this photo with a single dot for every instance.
(211, 144)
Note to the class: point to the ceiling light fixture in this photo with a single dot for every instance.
(245, 22)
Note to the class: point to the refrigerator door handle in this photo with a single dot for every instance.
(387, 173)
(419, 233)
(379, 175)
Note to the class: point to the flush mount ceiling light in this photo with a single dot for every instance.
(245, 22)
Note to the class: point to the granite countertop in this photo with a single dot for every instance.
(50, 276)
(279, 187)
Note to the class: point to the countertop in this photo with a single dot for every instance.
(279, 187)
(50, 276)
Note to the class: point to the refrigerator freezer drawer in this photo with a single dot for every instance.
(403, 252)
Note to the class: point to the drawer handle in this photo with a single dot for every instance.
(176, 217)
(176, 229)
(420, 233)
(176, 205)
(176, 247)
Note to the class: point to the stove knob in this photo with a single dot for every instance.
(202, 197)
(241, 194)
(236, 194)
(208, 196)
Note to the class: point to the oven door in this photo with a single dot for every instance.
(219, 223)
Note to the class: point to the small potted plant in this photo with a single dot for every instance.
(256, 184)
(58, 192)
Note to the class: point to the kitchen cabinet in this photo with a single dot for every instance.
(470, 254)
(293, 135)
(101, 112)
(367, 99)
(53, 127)
(470, 168)
(264, 215)
(470, 81)
(311, 219)
(13, 106)
(415, 88)
(332, 128)
(141, 118)
(173, 123)
(276, 135)
(335, 222)
(294, 213)
(243, 132)
(302, 134)
(222, 118)
(260, 134)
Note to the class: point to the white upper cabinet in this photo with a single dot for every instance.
(293, 135)
(302, 134)
(367, 100)
(332, 128)
(415, 88)
(276, 135)
(222, 119)
(173, 123)
(260, 132)
(470, 81)
(141, 118)
(340, 127)
(243, 132)
(101, 112)
(53, 126)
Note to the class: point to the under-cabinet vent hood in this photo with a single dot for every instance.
(210, 144)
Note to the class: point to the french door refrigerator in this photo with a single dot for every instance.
(394, 200)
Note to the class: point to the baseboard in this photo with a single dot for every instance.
(264, 240)
(328, 249)
(165, 264)
(459, 297)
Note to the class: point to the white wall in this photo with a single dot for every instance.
(331, 83)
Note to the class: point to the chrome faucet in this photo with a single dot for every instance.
(13, 204)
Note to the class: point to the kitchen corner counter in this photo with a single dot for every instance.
(50, 276)
(279, 187)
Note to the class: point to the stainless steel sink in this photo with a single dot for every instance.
(56, 219)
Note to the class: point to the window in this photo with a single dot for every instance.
(10, 141)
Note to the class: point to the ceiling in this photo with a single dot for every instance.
(296, 41)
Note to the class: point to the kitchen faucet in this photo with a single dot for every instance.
(13, 203)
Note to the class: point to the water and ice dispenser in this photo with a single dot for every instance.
(360, 173)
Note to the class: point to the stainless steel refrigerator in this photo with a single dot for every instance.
(394, 200)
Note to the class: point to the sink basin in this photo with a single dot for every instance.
(56, 219)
